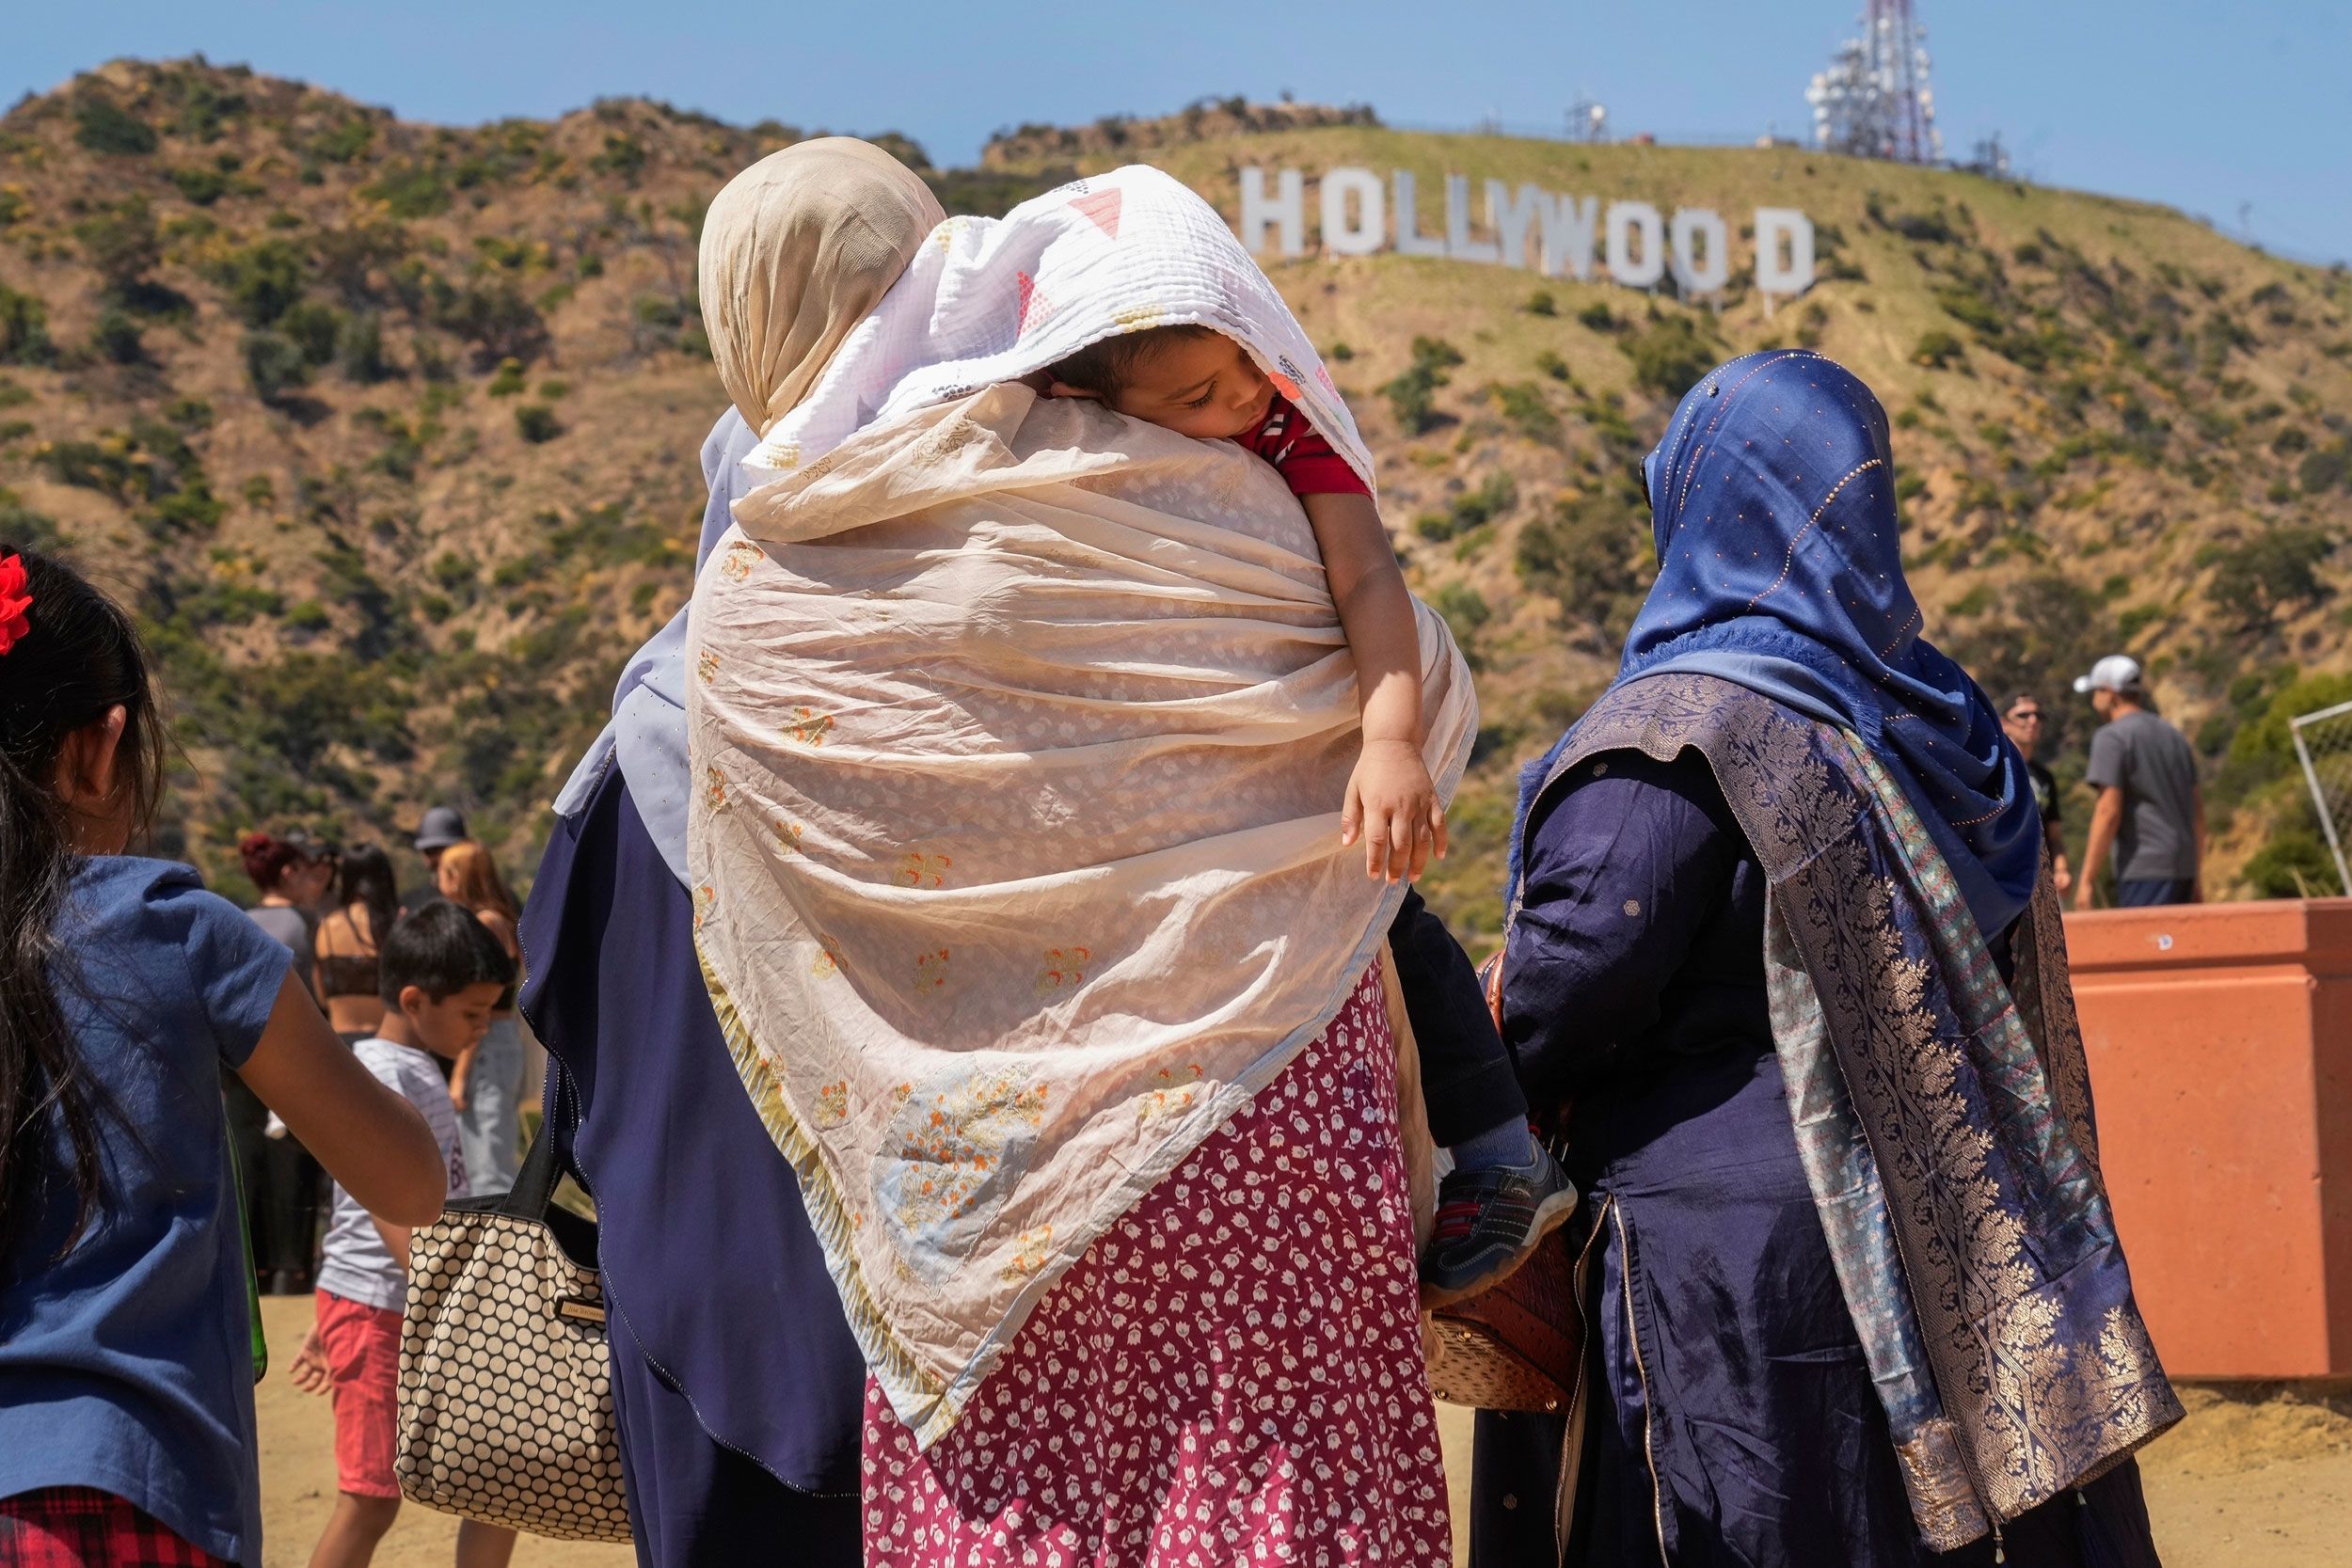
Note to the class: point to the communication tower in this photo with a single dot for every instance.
(1588, 120)
(1874, 100)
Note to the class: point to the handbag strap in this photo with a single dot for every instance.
(534, 1185)
(244, 1250)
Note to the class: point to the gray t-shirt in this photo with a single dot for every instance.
(2152, 763)
(355, 1265)
(285, 923)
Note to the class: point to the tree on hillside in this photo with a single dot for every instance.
(123, 244)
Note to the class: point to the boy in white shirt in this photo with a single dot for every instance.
(441, 973)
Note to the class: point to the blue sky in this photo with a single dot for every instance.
(2240, 113)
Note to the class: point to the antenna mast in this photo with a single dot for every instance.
(1875, 101)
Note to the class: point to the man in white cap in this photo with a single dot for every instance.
(2149, 813)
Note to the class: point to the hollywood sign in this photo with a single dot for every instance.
(1557, 235)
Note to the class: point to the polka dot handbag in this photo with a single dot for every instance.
(505, 1392)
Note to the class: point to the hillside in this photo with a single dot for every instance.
(390, 429)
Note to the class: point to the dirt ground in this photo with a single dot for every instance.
(2255, 1478)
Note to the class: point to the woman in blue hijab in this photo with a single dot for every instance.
(736, 1386)
(1779, 966)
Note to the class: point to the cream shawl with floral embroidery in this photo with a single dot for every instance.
(1020, 731)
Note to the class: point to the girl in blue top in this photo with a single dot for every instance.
(126, 1373)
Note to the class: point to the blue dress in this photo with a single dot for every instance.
(737, 1386)
(1733, 1419)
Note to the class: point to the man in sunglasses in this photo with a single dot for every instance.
(2021, 716)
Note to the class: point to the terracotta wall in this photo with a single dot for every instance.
(2220, 1043)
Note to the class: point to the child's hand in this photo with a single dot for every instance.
(457, 1089)
(308, 1371)
(1394, 803)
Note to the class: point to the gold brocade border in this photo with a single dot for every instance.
(886, 1356)
(2026, 1412)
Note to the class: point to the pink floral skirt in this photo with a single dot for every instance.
(1231, 1375)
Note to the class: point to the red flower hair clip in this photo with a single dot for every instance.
(16, 603)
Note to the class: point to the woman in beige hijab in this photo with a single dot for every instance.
(735, 1383)
(1017, 733)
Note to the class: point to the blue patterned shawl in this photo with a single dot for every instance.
(1779, 569)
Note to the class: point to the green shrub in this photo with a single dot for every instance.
(1412, 395)
(117, 337)
(1465, 612)
(315, 328)
(189, 413)
(1522, 403)
(24, 329)
(1540, 303)
(122, 245)
(509, 382)
(205, 109)
(1933, 228)
(454, 572)
(342, 142)
(624, 157)
(200, 188)
(1584, 556)
(360, 349)
(2037, 636)
(2325, 467)
(262, 280)
(1550, 364)
(536, 422)
(2264, 747)
(1937, 349)
(1598, 317)
(102, 125)
(497, 320)
(2276, 570)
(409, 190)
(1669, 357)
(274, 364)
(307, 616)
(2294, 863)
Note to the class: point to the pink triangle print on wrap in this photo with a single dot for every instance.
(1103, 207)
(1035, 308)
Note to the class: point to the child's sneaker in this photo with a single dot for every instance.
(1489, 1222)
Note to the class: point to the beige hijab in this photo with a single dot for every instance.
(796, 250)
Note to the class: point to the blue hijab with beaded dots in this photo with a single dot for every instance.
(1780, 569)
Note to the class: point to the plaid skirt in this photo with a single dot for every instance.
(80, 1527)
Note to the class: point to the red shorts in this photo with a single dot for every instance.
(80, 1527)
(362, 1345)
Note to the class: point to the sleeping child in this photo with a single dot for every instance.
(1505, 1193)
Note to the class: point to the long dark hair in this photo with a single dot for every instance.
(77, 657)
(367, 880)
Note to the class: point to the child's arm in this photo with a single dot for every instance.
(1391, 799)
(369, 1138)
(461, 1074)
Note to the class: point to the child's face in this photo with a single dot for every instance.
(457, 1021)
(1204, 386)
